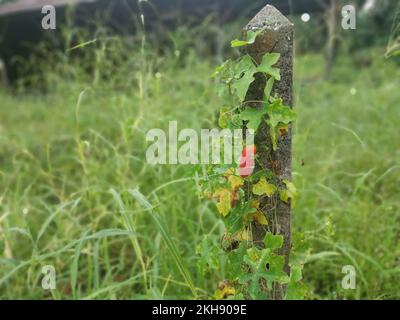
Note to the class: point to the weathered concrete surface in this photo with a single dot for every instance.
(277, 37)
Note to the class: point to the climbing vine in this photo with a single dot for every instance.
(253, 270)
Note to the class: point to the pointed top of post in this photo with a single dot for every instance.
(269, 18)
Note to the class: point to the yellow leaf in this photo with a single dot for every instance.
(225, 292)
(289, 194)
(229, 172)
(263, 187)
(236, 182)
(224, 198)
(260, 218)
(283, 130)
(255, 204)
(243, 235)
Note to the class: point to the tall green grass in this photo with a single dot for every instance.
(347, 137)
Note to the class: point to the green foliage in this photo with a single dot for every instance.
(237, 76)
(235, 259)
(253, 116)
(257, 260)
(209, 255)
(278, 114)
(267, 63)
(266, 268)
(253, 270)
(234, 223)
(295, 290)
(250, 39)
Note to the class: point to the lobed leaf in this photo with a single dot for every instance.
(251, 37)
(263, 187)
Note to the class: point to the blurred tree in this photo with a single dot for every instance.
(374, 22)
(332, 24)
(3, 74)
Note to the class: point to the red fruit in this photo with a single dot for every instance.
(246, 170)
(249, 150)
(247, 163)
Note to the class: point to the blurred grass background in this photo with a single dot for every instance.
(72, 149)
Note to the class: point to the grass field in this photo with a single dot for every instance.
(76, 191)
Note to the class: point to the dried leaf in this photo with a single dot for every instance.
(225, 292)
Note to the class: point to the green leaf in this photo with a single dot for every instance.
(273, 242)
(268, 89)
(208, 252)
(296, 274)
(236, 122)
(262, 173)
(278, 114)
(300, 251)
(225, 115)
(224, 70)
(244, 72)
(254, 117)
(251, 37)
(235, 262)
(234, 221)
(266, 65)
(295, 289)
(264, 265)
(242, 85)
(243, 64)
